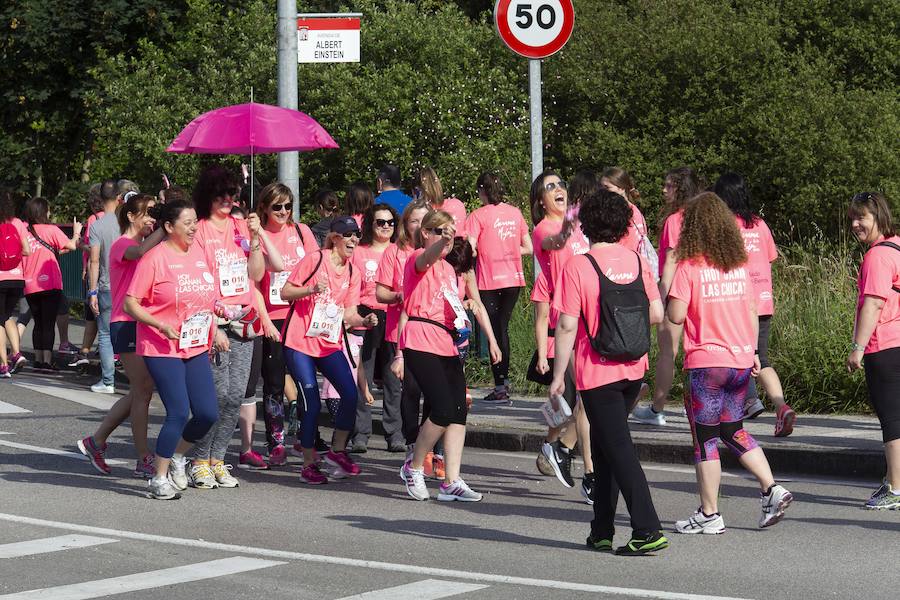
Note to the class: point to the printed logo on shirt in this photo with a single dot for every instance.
(751, 241)
(505, 229)
(371, 269)
(626, 277)
(207, 277)
(722, 287)
(301, 251)
(200, 264)
(188, 284)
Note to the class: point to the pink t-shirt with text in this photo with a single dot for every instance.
(342, 290)
(761, 251)
(878, 275)
(668, 239)
(121, 273)
(576, 244)
(718, 329)
(498, 230)
(544, 229)
(390, 274)
(41, 268)
(224, 248)
(425, 296)
(367, 259)
(172, 287)
(578, 293)
(292, 252)
(17, 273)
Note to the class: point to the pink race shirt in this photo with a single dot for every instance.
(541, 293)
(498, 230)
(390, 274)
(578, 294)
(342, 291)
(292, 251)
(878, 276)
(227, 251)
(668, 239)
(172, 287)
(636, 229)
(718, 329)
(41, 268)
(425, 295)
(456, 209)
(17, 273)
(121, 274)
(367, 260)
(542, 231)
(575, 245)
(761, 251)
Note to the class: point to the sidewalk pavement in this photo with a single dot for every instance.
(830, 445)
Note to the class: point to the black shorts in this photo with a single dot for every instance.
(443, 385)
(123, 335)
(883, 380)
(762, 341)
(10, 293)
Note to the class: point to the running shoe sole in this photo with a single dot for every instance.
(893, 506)
(153, 496)
(21, 362)
(787, 427)
(642, 547)
(779, 514)
(450, 498)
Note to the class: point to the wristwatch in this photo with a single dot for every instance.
(857, 347)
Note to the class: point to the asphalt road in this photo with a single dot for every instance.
(273, 537)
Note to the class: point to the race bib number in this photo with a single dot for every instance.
(456, 304)
(195, 331)
(327, 322)
(276, 282)
(233, 279)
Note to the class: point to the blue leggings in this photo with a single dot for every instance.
(336, 369)
(186, 389)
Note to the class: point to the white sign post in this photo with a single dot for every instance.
(328, 37)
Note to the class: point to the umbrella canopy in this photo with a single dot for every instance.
(251, 129)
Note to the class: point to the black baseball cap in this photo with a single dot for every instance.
(344, 224)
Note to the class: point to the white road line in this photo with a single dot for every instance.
(12, 409)
(56, 452)
(54, 544)
(368, 564)
(79, 396)
(427, 589)
(145, 581)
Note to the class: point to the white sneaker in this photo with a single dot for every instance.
(773, 505)
(415, 481)
(223, 477)
(202, 476)
(162, 489)
(102, 388)
(177, 474)
(458, 490)
(700, 523)
(645, 414)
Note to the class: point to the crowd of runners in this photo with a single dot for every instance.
(198, 295)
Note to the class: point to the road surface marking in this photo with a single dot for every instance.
(145, 581)
(12, 409)
(79, 396)
(427, 589)
(56, 452)
(54, 544)
(368, 564)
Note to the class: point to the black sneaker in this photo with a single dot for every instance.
(599, 544)
(321, 445)
(560, 459)
(587, 487)
(79, 360)
(639, 546)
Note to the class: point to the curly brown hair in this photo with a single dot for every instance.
(709, 231)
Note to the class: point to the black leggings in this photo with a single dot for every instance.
(883, 380)
(499, 305)
(615, 460)
(44, 307)
(443, 385)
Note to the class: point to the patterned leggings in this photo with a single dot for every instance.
(715, 409)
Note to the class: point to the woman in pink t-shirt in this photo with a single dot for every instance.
(609, 382)
(379, 232)
(427, 187)
(680, 185)
(43, 278)
(324, 293)
(616, 179)
(712, 296)
(499, 236)
(138, 238)
(876, 332)
(761, 253)
(172, 296)
(12, 284)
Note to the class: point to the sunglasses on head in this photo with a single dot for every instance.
(351, 233)
(280, 207)
(863, 197)
(552, 185)
(384, 222)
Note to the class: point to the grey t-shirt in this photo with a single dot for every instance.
(104, 232)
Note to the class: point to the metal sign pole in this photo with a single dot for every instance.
(537, 130)
(288, 162)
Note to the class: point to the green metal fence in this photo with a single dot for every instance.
(70, 264)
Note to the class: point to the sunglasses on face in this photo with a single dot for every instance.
(437, 230)
(552, 185)
(384, 222)
(350, 234)
(280, 207)
(232, 191)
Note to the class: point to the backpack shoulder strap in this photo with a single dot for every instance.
(600, 277)
(299, 232)
(895, 247)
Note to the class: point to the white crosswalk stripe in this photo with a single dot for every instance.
(11, 409)
(54, 544)
(427, 589)
(145, 581)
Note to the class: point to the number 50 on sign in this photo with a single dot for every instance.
(534, 28)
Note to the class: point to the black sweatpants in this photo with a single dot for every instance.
(44, 308)
(615, 460)
(499, 305)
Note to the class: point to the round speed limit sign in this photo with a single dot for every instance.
(534, 28)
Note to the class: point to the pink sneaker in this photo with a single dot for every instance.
(94, 454)
(342, 461)
(277, 456)
(253, 461)
(4, 372)
(312, 475)
(144, 467)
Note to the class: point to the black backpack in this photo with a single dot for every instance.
(624, 332)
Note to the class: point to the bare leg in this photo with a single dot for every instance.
(755, 462)
(4, 358)
(454, 440)
(770, 382)
(115, 417)
(62, 325)
(12, 335)
(162, 464)
(569, 436)
(709, 475)
(246, 420)
(141, 392)
(892, 455)
(90, 334)
(668, 335)
(429, 434)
